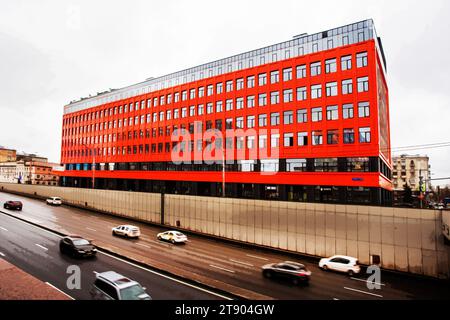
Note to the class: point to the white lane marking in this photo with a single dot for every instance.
(2, 254)
(335, 299)
(49, 284)
(256, 257)
(365, 292)
(135, 265)
(367, 281)
(42, 247)
(143, 245)
(220, 268)
(168, 277)
(4, 229)
(90, 229)
(243, 263)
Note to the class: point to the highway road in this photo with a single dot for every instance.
(231, 264)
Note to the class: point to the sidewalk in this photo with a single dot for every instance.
(15, 284)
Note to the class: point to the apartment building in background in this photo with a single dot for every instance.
(7, 155)
(407, 170)
(319, 102)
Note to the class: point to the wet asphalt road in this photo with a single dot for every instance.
(230, 263)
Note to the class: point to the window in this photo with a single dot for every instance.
(316, 91)
(361, 60)
(176, 113)
(296, 165)
(240, 123)
(333, 137)
(302, 139)
(347, 86)
(274, 119)
(201, 92)
(288, 140)
(229, 86)
(200, 109)
(210, 90)
(287, 74)
(326, 165)
(364, 135)
(183, 112)
(346, 63)
(302, 115)
(288, 96)
(301, 71)
(250, 122)
(358, 165)
(192, 111)
(347, 111)
(301, 94)
(262, 120)
(250, 82)
(169, 99)
(274, 77)
(219, 124)
(239, 84)
(349, 136)
(270, 165)
(363, 84)
(262, 141)
(176, 97)
(250, 142)
(316, 114)
(315, 69)
(363, 109)
(317, 138)
(184, 96)
(332, 113)
(219, 88)
(250, 102)
(192, 94)
(209, 108)
(330, 66)
(288, 117)
(262, 99)
(331, 89)
(274, 97)
(229, 105)
(274, 141)
(262, 79)
(229, 123)
(239, 103)
(219, 106)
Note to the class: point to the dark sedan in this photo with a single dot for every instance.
(13, 205)
(295, 272)
(77, 247)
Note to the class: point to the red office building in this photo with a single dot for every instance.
(302, 120)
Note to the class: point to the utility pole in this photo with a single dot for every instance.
(421, 188)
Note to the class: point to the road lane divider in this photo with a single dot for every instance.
(42, 247)
(256, 257)
(143, 245)
(364, 292)
(367, 281)
(59, 290)
(4, 229)
(2, 254)
(223, 269)
(91, 229)
(243, 263)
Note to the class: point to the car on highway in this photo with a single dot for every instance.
(13, 205)
(345, 264)
(295, 272)
(54, 201)
(172, 236)
(77, 246)
(127, 231)
(113, 286)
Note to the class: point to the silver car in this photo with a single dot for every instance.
(113, 286)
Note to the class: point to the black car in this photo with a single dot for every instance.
(77, 247)
(295, 272)
(13, 205)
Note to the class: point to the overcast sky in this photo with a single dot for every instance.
(52, 52)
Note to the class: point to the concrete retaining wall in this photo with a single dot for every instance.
(407, 240)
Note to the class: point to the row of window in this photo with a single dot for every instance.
(239, 143)
(315, 69)
(270, 165)
(302, 115)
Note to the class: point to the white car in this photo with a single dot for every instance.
(54, 201)
(126, 231)
(341, 264)
(172, 236)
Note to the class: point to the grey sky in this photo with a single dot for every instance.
(52, 52)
